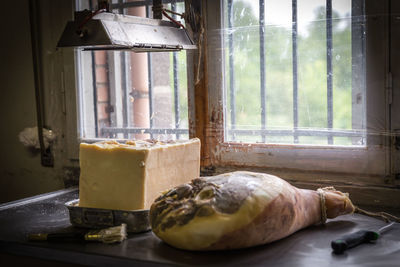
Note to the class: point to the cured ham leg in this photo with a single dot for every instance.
(240, 209)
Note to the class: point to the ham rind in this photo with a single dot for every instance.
(239, 210)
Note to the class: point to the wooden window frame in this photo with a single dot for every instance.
(363, 165)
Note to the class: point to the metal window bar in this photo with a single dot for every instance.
(231, 69)
(176, 83)
(294, 70)
(125, 84)
(329, 69)
(150, 79)
(300, 132)
(262, 68)
(96, 120)
(125, 97)
(81, 119)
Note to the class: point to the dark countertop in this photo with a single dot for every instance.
(309, 247)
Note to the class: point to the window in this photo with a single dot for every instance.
(128, 95)
(303, 94)
(289, 71)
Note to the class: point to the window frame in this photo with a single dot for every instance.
(370, 165)
(362, 164)
(117, 77)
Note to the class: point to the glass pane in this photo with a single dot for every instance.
(133, 95)
(293, 73)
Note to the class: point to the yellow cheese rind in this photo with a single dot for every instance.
(130, 176)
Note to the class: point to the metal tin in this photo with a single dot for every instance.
(137, 221)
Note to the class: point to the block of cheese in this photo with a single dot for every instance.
(129, 176)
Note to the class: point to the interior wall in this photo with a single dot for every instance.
(395, 73)
(22, 174)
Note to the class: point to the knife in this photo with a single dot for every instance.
(357, 238)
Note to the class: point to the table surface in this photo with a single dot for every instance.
(308, 247)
